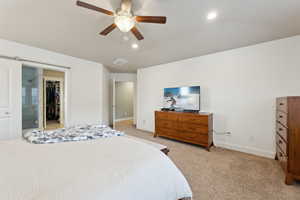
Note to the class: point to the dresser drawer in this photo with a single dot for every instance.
(282, 159)
(281, 104)
(282, 118)
(282, 131)
(281, 144)
(165, 132)
(192, 136)
(166, 116)
(166, 124)
(194, 119)
(195, 128)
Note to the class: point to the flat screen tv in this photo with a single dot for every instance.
(182, 98)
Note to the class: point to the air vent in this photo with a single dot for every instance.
(120, 61)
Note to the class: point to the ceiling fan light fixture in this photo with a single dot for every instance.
(124, 18)
(124, 21)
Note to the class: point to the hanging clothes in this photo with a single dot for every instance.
(53, 100)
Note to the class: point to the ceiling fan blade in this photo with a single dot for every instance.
(92, 7)
(137, 33)
(108, 29)
(151, 19)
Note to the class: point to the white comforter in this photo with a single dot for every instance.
(117, 168)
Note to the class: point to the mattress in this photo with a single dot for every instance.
(105, 169)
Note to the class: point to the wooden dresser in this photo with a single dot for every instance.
(192, 128)
(288, 136)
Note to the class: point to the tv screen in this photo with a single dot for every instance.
(182, 98)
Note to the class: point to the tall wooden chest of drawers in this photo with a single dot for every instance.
(195, 128)
(288, 136)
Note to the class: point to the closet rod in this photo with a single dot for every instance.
(32, 61)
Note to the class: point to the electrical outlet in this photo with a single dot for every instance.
(223, 133)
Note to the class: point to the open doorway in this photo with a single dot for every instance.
(123, 108)
(53, 95)
(53, 108)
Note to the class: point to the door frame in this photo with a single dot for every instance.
(114, 108)
(61, 96)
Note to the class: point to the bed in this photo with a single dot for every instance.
(114, 168)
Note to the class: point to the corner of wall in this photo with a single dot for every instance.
(105, 97)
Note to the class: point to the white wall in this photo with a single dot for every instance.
(239, 86)
(84, 88)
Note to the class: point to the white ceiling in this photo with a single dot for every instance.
(61, 26)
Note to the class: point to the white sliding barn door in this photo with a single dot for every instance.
(10, 99)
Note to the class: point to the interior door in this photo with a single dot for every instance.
(30, 98)
(10, 99)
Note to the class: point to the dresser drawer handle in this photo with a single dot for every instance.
(281, 104)
(280, 116)
(280, 129)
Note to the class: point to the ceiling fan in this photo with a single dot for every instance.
(124, 18)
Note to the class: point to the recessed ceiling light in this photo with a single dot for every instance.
(212, 15)
(135, 46)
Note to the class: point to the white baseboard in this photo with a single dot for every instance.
(249, 150)
(123, 119)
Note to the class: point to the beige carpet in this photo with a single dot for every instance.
(223, 174)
